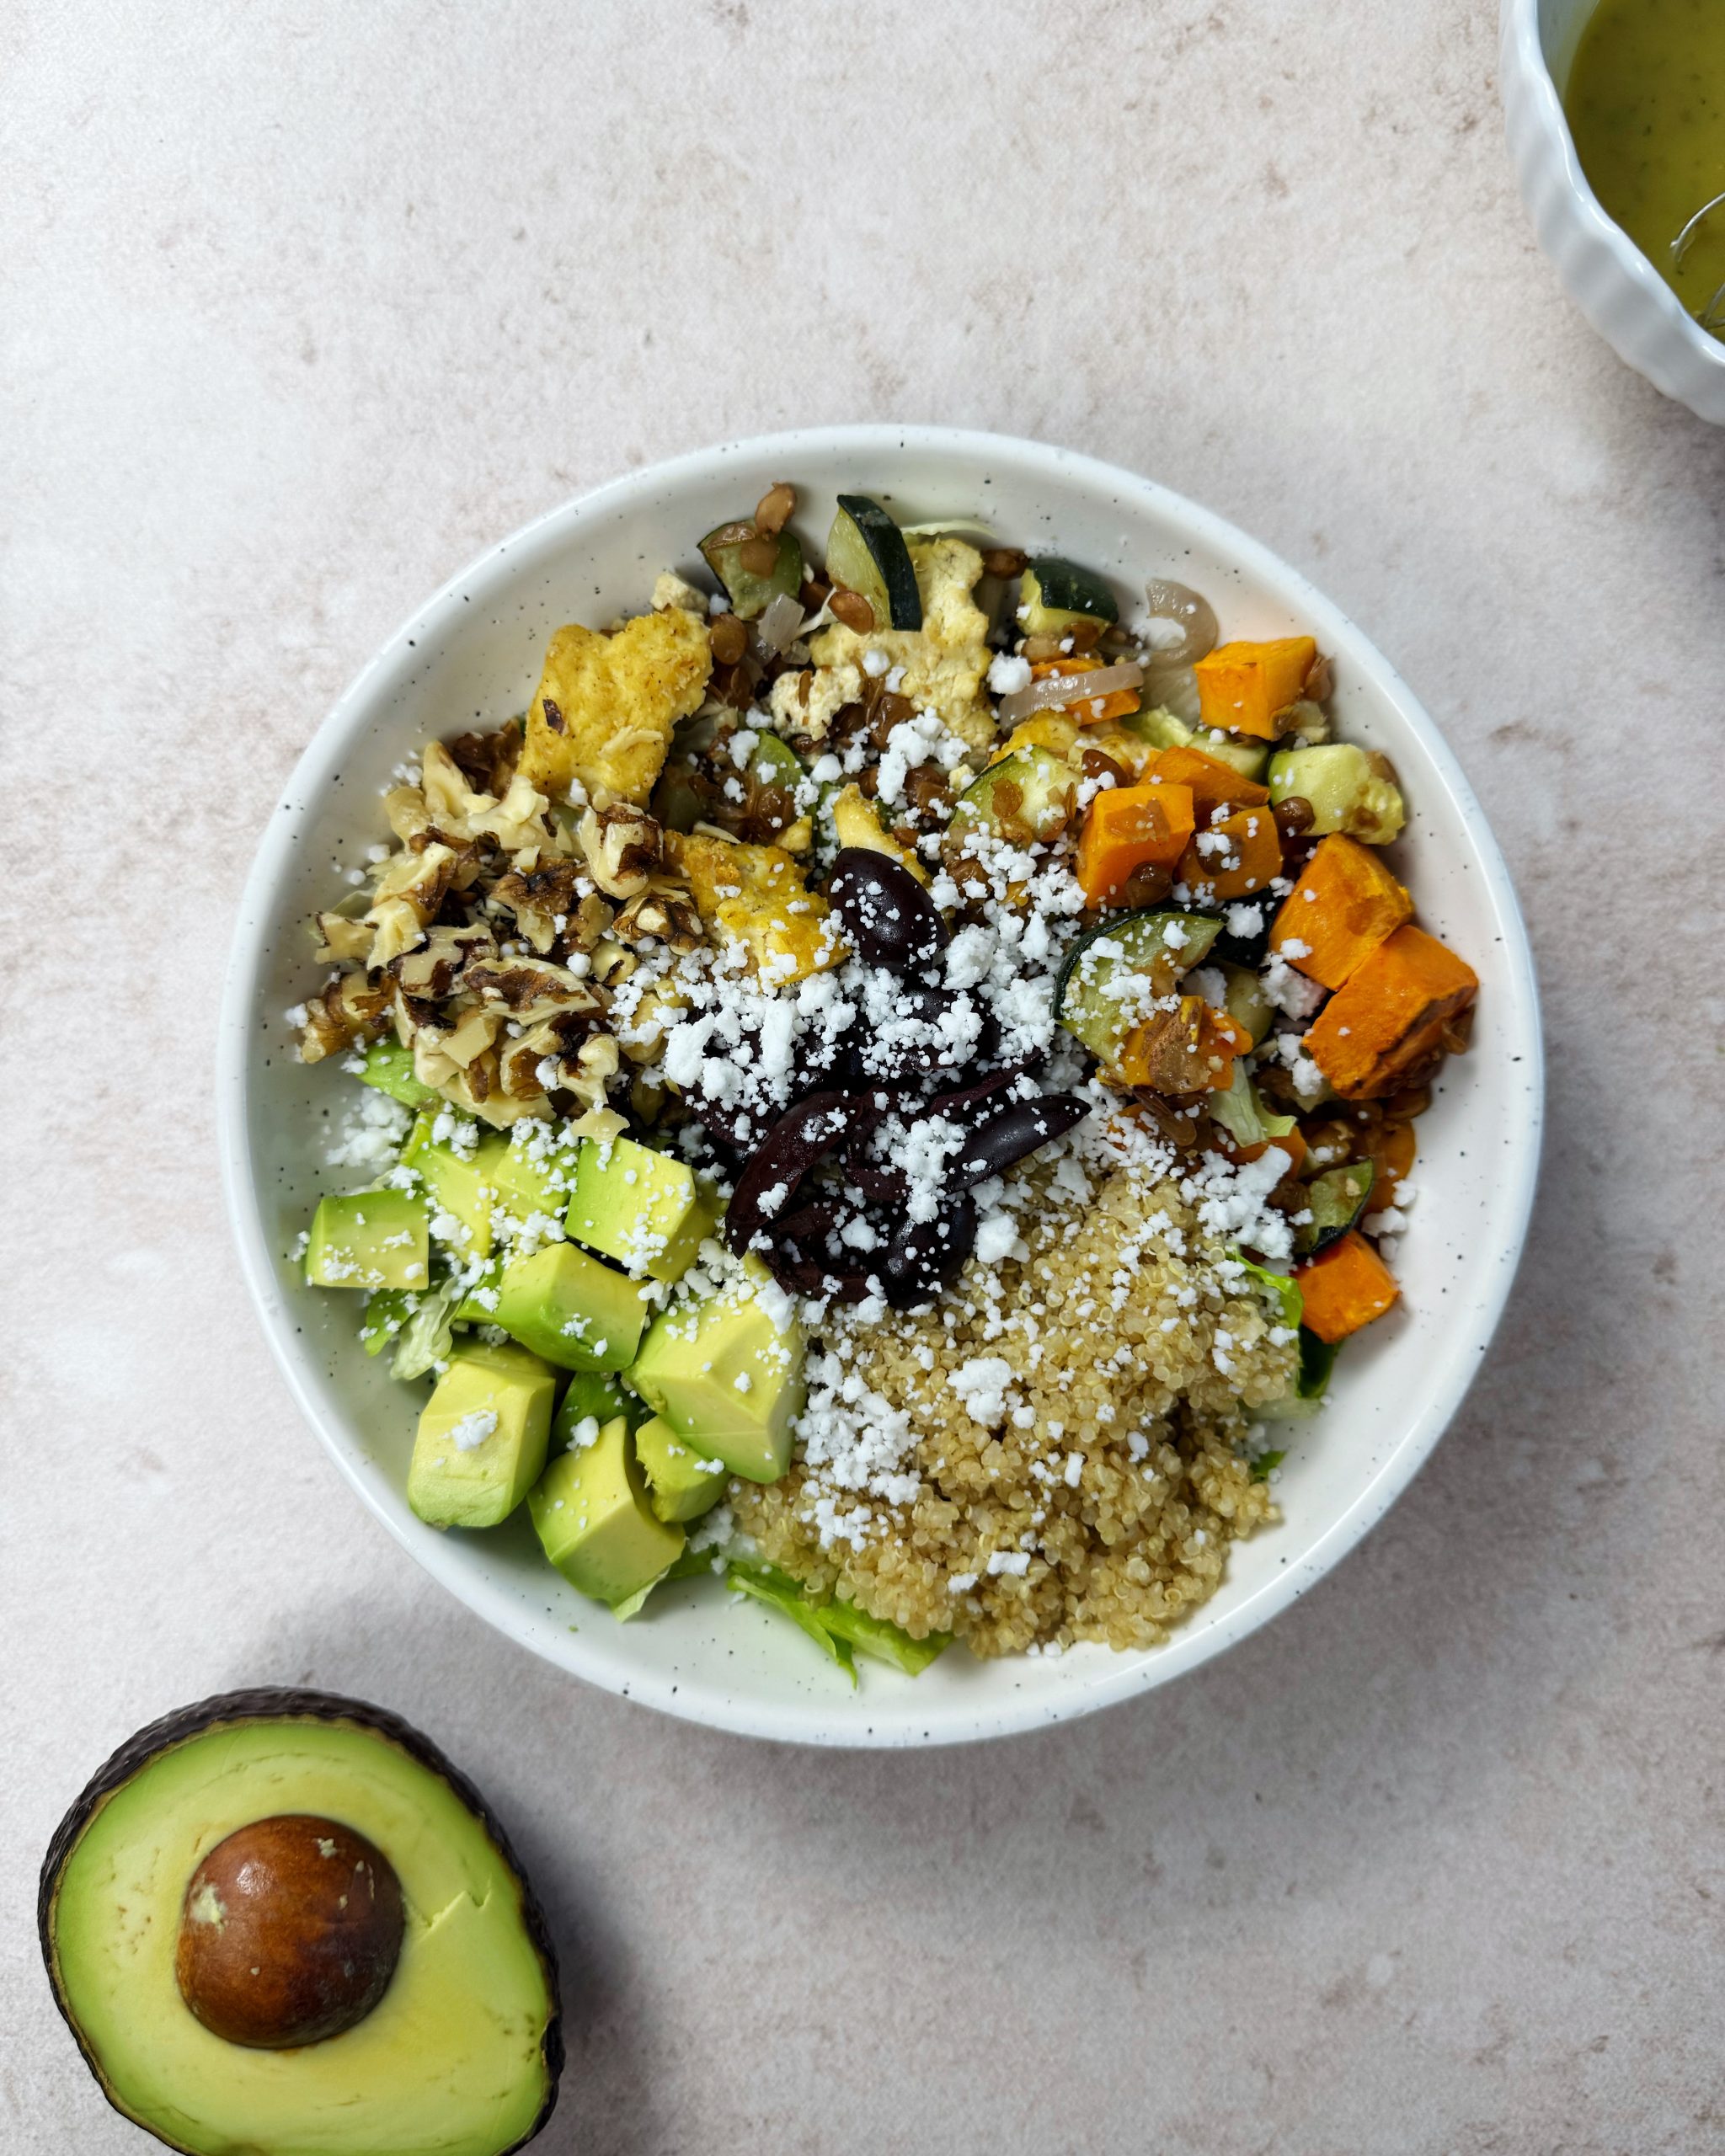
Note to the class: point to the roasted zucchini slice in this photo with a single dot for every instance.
(1114, 974)
(1026, 796)
(1336, 1199)
(1059, 597)
(1163, 730)
(749, 592)
(866, 553)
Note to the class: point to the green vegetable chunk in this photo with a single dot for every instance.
(1346, 790)
(373, 1239)
(866, 553)
(591, 1513)
(571, 1309)
(1058, 596)
(482, 1438)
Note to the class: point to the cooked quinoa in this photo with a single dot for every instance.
(1112, 1461)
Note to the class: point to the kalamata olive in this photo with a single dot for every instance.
(885, 912)
(1015, 1132)
(795, 1144)
(928, 1253)
(963, 1099)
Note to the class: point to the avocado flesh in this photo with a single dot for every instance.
(688, 1371)
(457, 1185)
(479, 1482)
(591, 1515)
(567, 1307)
(372, 1239)
(457, 2058)
(640, 1206)
(681, 1485)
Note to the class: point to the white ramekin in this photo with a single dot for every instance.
(472, 651)
(1601, 268)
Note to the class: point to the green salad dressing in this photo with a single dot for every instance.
(1646, 102)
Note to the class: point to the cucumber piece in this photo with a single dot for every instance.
(1163, 730)
(1027, 795)
(1113, 974)
(1336, 1199)
(1060, 596)
(1346, 792)
(749, 592)
(867, 554)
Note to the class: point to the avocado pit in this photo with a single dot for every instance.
(289, 1932)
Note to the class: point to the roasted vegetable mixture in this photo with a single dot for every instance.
(889, 1084)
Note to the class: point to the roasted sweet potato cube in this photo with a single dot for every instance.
(1243, 688)
(1344, 1288)
(1214, 784)
(1345, 905)
(1187, 1050)
(1127, 827)
(1386, 1022)
(1232, 859)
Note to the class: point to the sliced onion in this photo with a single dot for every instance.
(781, 623)
(1173, 689)
(1190, 612)
(1055, 689)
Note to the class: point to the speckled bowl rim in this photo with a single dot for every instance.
(1127, 1675)
(1618, 290)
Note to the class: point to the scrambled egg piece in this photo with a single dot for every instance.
(807, 702)
(754, 896)
(606, 704)
(944, 660)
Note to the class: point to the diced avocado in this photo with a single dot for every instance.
(591, 1513)
(571, 1309)
(478, 1306)
(600, 1394)
(727, 1378)
(640, 1206)
(457, 1182)
(1060, 596)
(1346, 790)
(1163, 730)
(373, 1239)
(385, 1314)
(876, 1636)
(533, 1174)
(482, 1438)
(682, 1486)
(389, 1067)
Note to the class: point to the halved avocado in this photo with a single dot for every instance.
(461, 2053)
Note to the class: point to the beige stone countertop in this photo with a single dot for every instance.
(304, 307)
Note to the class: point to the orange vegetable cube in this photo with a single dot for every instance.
(1215, 785)
(1127, 828)
(1344, 1287)
(1190, 1050)
(1232, 859)
(1343, 907)
(1116, 703)
(1243, 688)
(1386, 1025)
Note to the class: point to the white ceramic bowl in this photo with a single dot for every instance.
(1601, 268)
(474, 651)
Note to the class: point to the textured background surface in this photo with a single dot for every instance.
(306, 306)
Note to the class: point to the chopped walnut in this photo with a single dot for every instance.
(349, 1010)
(661, 913)
(621, 846)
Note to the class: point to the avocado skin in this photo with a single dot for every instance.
(268, 1703)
